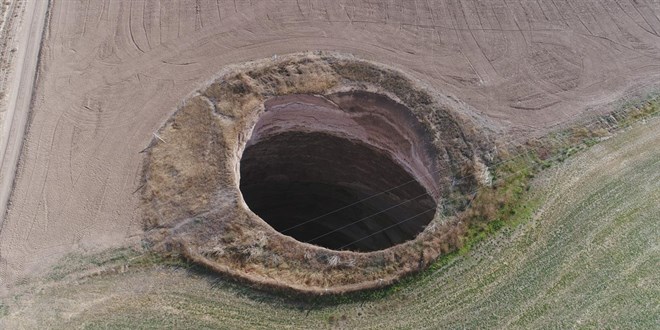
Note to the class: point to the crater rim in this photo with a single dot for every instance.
(193, 207)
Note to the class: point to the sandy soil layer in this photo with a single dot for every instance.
(113, 71)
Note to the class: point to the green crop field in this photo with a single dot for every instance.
(588, 258)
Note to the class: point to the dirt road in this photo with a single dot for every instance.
(113, 71)
(19, 94)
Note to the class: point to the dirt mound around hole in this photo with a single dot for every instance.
(317, 173)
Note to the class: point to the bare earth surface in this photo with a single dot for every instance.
(112, 72)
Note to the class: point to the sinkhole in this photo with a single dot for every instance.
(314, 173)
(346, 171)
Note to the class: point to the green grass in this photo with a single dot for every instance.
(508, 203)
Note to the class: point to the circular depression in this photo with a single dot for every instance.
(304, 135)
(343, 171)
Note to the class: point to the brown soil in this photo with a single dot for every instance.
(112, 72)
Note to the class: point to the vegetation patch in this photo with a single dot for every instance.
(507, 202)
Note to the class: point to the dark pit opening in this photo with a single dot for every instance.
(318, 184)
(333, 192)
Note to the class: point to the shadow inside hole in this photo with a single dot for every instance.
(333, 192)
